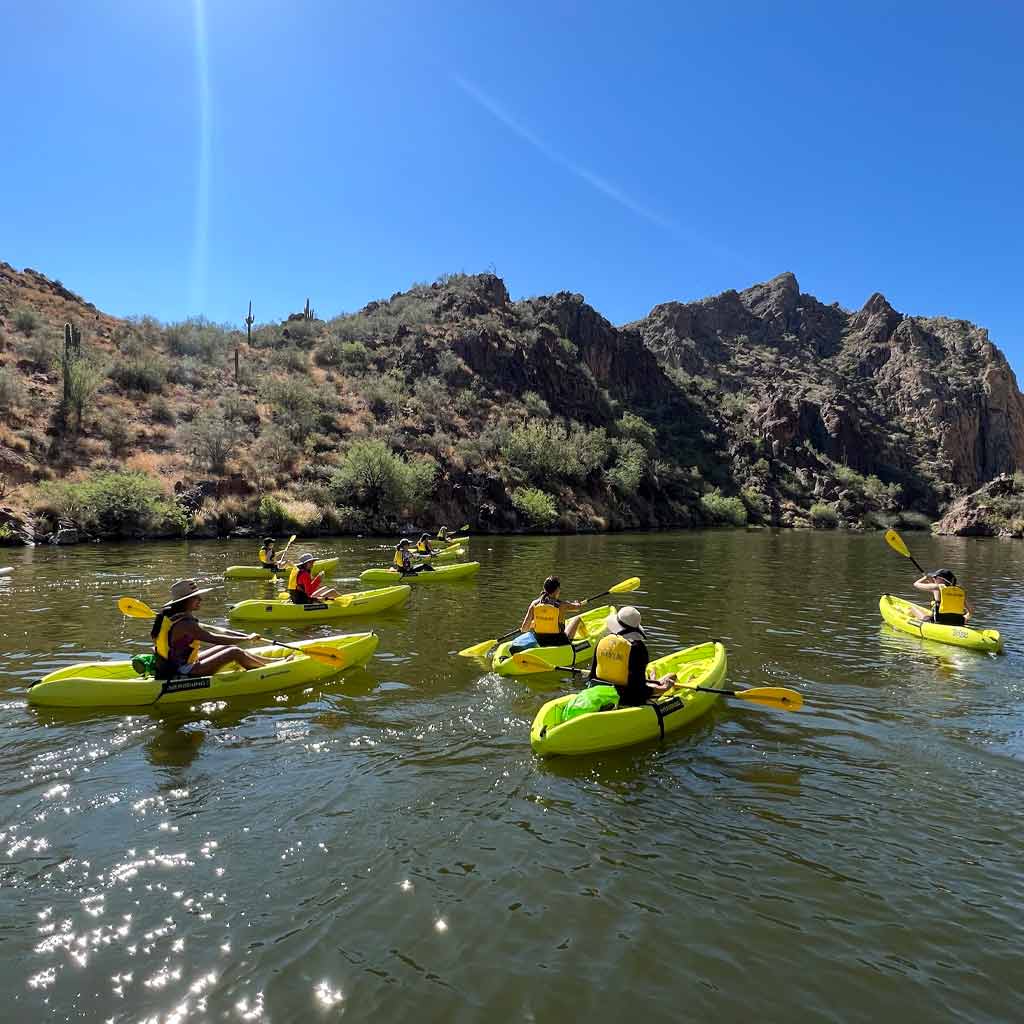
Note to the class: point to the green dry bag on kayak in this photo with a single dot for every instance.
(594, 698)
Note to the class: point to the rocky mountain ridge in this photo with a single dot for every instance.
(763, 405)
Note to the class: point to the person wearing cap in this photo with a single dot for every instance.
(268, 556)
(949, 602)
(177, 635)
(304, 587)
(442, 534)
(423, 545)
(621, 660)
(544, 624)
(402, 561)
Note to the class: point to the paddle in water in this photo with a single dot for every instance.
(484, 648)
(771, 696)
(135, 609)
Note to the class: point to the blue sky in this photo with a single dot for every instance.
(177, 157)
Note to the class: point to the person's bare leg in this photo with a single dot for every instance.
(326, 593)
(217, 657)
(571, 626)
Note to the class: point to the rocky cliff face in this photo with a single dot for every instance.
(919, 401)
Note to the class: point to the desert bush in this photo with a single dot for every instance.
(824, 516)
(293, 359)
(909, 520)
(432, 396)
(211, 437)
(535, 405)
(41, 352)
(115, 430)
(629, 467)
(537, 506)
(296, 407)
(756, 501)
(82, 379)
(546, 452)
(720, 509)
(349, 356)
(637, 428)
(239, 409)
(279, 513)
(161, 411)
(12, 394)
(451, 368)
(144, 372)
(274, 451)
(113, 504)
(377, 479)
(26, 321)
(386, 394)
(200, 339)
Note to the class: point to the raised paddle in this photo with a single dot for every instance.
(482, 649)
(771, 696)
(895, 541)
(327, 655)
(291, 541)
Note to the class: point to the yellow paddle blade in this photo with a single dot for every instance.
(895, 541)
(772, 696)
(625, 586)
(343, 601)
(478, 650)
(531, 663)
(327, 655)
(135, 609)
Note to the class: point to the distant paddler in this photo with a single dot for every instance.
(304, 587)
(268, 556)
(423, 545)
(949, 601)
(403, 560)
(443, 534)
(177, 635)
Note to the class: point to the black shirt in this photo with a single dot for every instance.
(636, 691)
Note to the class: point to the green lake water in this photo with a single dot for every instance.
(387, 847)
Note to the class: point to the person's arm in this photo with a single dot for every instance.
(215, 634)
(968, 611)
(527, 620)
(926, 583)
(640, 666)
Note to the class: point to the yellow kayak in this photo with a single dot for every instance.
(255, 572)
(362, 602)
(451, 554)
(115, 684)
(703, 665)
(441, 574)
(900, 615)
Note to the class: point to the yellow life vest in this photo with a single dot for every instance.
(613, 660)
(399, 559)
(293, 578)
(952, 601)
(547, 619)
(421, 547)
(162, 640)
(263, 556)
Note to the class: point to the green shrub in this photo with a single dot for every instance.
(535, 405)
(41, 352)
(537, 506)
(12, 394)
(200, 339)
(546, 452)
(909, 520)
(82, 379)
(112, 504)
(386, 394)
(351, 357)
(115, 430)
(824, 516)
(630, 465)
(144, 373)
(720, 509)
(377, 479)
(274, 451)
(161, 411)
(26, 321)
(756, 501)
(297, 407)
(211, 438)
(637, 428)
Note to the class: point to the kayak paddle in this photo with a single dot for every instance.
(328, 655)
(482, 649)
(772, 696)
(895, 541)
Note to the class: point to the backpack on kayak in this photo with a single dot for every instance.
(593, 698)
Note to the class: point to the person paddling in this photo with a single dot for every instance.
(544, 624)
(177, 635)
(621, 660)
(949, 601)
(443, 534)
(423, 545)
(403, 560)
(268, 556)
(304, 587)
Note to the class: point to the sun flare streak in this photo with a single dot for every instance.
(201, 239)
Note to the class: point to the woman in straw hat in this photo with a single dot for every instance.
(177, 634)
(303, 587)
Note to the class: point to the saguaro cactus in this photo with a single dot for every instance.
(249, 320)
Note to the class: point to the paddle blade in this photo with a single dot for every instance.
(463, 529)
(773, 697)
(531, 663)
(327, 655)
(895, 541)
(478, 650)
(626, 586)
(135, 609)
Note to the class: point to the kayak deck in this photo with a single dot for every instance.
(255, 572)
(115, 684)
(441, 574)
(703, 665)
(580, 652)
(360, 602)
(900, 615)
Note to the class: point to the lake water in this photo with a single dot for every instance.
(387, 847)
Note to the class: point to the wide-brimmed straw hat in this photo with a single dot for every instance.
(624, 620)
(183, 590)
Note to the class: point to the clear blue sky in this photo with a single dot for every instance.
(170, 157)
